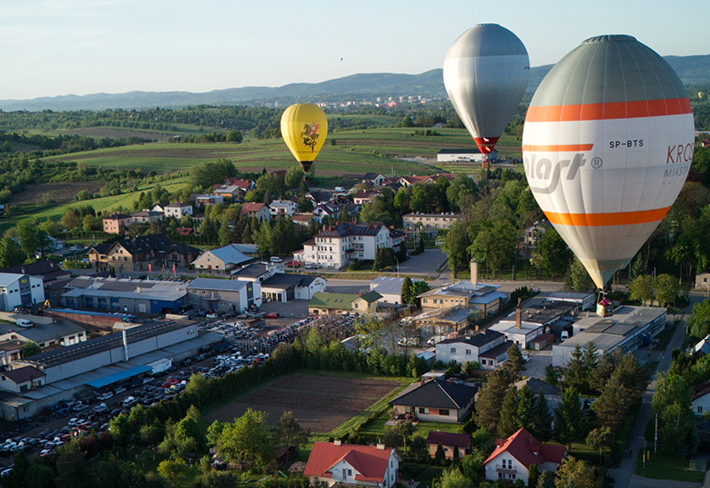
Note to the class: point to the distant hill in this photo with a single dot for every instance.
(693, 70)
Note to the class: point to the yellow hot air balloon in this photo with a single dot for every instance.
(304, 128)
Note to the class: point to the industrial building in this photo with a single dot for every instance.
(20, 290)
(626, 330)
(99, 363)
(126, 295)
(223, 295)
(524, 325)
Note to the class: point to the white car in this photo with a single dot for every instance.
(100, 408)
(105, 396)
(276, 259)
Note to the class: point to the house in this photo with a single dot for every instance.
(702, 347)
(97, 255)
(22, 379)
(339, 245)
(512, 458)
(259, 211)
(178, 210)
(552, 393)
(390, 288)
(223, 295)
(224, 259)
(332, 303)
(228, 193)
(282, 208)
(523, 326)
(318, 196)
(184, 231)
(202, 200)
(373, 179)
(488, 348)
(115, 223)
(20, 290)
(430, 221)
(146, 217)
(362, 197)
(480, 297)
(10, 351)
(59, 333)
(435, 401)
(449, 442)
(303, 219)
(336, 463)
(143, 252)
(701, 280)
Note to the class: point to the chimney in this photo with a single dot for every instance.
(518, 316)
(474, 273)
(138, 289)
(380, 446)
(125, 345)
(336, 442)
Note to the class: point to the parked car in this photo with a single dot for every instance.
(276, 259)
(100, 408)
(119, 390)
(80, 406)
(311, 266)
(105, 396)
(272, 315)
(293, 264)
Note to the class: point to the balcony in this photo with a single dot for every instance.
(503, 468)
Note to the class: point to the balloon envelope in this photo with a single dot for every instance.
(304, 127)
(607, 145)
(486, 72)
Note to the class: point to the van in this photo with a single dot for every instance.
(24, 323)
(339, 188)
(564, 336)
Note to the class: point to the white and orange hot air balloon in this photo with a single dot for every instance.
(607, 145)
(486, 71)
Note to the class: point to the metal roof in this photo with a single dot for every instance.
(115, 378)
(126, 288)
(216, 284)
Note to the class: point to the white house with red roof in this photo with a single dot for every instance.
(350, 464)
(512, 457)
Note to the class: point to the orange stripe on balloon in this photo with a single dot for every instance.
(559, 148)
(613, 110)
(607, 219)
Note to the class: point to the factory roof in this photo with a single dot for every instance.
(126, 288)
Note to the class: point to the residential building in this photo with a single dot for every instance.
(98, 255)
(700, 399)
(282, 208)
(430, 221)
(126, 295)
(146, 217)
(116, 223)
(488, 348)
(702, 347)
(228, 193)
(627, 329)
(512, 458)
(178, 210)
(259, 211)
(224, 259)
(340, 245)
(10, 351)
(450, 442)
(532, 236)
(480, 297)
(333, 303)
(362, 197)
(257, 272)
(202, 200)
(701, 281)
(143, 252)
(20, 290)
(334, 463)
(223, 295)
(303, 219)
(552, 393)
(471, 155)
(435, 401)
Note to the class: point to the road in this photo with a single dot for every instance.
(624, 476)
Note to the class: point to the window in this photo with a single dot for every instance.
(421, 409)
(453, 350)
(468, 352)
(444, 412)
(700, 409)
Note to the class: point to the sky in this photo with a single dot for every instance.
(79, 47)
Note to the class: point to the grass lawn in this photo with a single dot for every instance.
(422, 428)
(662, 466)
(422, 473)
(664, 338)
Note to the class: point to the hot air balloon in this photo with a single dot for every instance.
(485, 73)
(304, 127)
(607, 145)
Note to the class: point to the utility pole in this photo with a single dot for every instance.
(655, 436)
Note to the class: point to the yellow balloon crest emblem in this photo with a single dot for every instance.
(304, 127)
(310, 135)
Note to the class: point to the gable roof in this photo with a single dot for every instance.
(48, 270)
(436, 394)
(369, 461)
(477, 340)
(21, 375)
(252, 207)
(230, 255)
(527, 450)
(462, 441)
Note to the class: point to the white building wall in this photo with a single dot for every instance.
(701, 405)
(520, 472)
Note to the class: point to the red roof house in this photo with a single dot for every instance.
(333, 462)
(512, 457)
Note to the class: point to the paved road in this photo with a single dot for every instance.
(623, 475)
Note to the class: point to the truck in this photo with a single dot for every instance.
(160, 366)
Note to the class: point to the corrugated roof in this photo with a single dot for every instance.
(216, 284)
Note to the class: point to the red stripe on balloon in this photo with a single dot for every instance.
(604, 111)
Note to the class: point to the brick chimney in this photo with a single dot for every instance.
(518, 316)
(474, 273)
